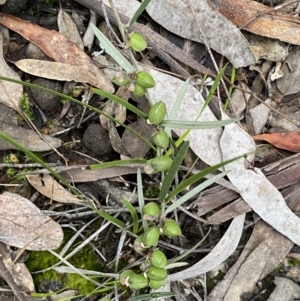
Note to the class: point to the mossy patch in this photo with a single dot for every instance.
(86, 259)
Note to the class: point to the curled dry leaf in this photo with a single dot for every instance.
(57, 71)
(11, 93)
(56, 46)
(219, 253)
(23, 225)
(289, 141)
(47, 186)
(221, 35)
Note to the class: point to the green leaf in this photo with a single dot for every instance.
(134, 215)
(179, 124)
(213, 88)
(232, 79)
(197, 177)
(187, 196)
(139, 11)
(167, 182)
(112, 50)
(117, 163)
(108, 217)
(141, 197)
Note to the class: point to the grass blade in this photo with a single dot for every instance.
(139, 11)
(112, 50)
(117, 163)
(167, 182)
(134, 215)
(141, 197)
(195, 191)
(197, 177)
(120, 101)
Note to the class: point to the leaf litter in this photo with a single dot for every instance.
(212, 146)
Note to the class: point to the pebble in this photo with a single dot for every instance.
(46, 100)
(96, 139)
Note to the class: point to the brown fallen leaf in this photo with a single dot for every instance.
(47, 186)
(57, 71)
(289, 141)
(22, 225)
(273, 24)
(56, 46)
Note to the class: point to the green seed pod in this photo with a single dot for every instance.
(155, 273)
(156, 284)
(151, 209)
(158, 259)
(125, 275)
(144, 79)
(137, 42)
(137, 245)
(121, 83)
(161, 139)
(171, 228)
(150, 237)
(137, 281)
(161, 163)
(139, 90)
(157, 113)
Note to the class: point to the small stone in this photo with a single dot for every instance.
(46, 100)
(96, 139)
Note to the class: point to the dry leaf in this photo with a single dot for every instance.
(224, 248)
(274, 24)
(47, 186)
(253, 186)
(221, 35)
(68, 28)
(57, 71)
(248, 274)
(289, 141)
(11, 93)
(278, 244)
(56, 46)
(28, 138)
(23, 225)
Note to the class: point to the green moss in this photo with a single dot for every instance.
(152, 192)
(294, 262)
(26, 107)
(84, 259)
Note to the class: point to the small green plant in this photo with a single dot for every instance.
(26, 107)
